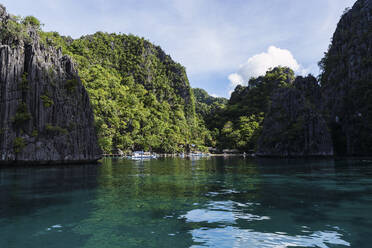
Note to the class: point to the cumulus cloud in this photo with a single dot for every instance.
(236, 79)
(258, 64)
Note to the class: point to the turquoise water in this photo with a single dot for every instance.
(212, 202)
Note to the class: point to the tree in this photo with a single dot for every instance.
(31, 20)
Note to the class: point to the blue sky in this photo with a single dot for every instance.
(220, 42)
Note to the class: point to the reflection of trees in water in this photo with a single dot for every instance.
(139, 203)
(137, 206)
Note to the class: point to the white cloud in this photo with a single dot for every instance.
(257, 65)
(236, 79)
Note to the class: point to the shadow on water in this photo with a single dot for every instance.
(38, 205)
(24, 190)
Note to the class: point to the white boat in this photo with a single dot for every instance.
(198, 154)
(138, 155)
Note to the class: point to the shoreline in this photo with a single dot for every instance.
(337, 157)
(7, 164)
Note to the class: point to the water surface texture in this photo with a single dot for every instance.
(215, 202)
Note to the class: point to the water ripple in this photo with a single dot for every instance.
(234, 237)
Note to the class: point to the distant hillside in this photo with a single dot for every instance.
(208, 108)
(206, 105)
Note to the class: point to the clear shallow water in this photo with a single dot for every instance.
(213, 202)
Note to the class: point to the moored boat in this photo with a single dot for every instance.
(137, 155)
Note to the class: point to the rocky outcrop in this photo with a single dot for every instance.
(45, 114)
(292, 126)
(347, 81)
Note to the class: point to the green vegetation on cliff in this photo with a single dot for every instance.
(141, 97)
(207, 108)
(238, 125)
(206, 104)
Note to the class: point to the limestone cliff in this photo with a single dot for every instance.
(347, 81)
(293, 127)
(45, 114)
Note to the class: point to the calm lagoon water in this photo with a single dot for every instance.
(213, 202)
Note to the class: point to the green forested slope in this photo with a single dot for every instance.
(239, 124)
(206, 104)
(141, 97)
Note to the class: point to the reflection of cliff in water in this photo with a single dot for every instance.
(37, 203)
(35, 188)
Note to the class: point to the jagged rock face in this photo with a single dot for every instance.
(292, 126)
(347, 81)
(311, 90)
(45, 114)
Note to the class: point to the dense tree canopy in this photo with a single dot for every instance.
(141, 97)
(239, 123)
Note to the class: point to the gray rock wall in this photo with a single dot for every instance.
(293, 127)
(45, 114)
(347, 81)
